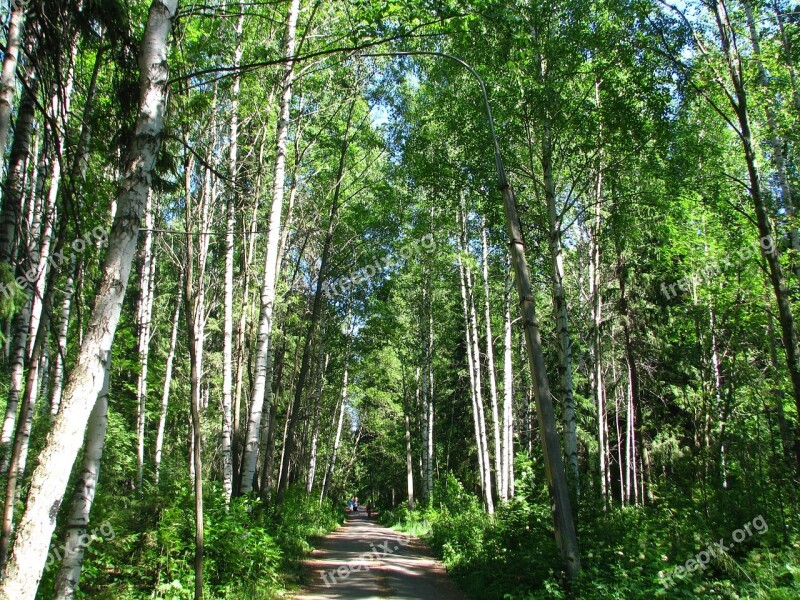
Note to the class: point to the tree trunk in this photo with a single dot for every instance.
(252, 438)
(474, 377)
(16, 380)
(476, 361)
(61, 351)
(194, 301)
(144, 317)
(507, 489)
(565, 535)
(322, 367)
(19, 453)
(14, 189)
(16, 27)
(316, 309)
(560, 313)
(68, 577)
(409, 458)
(739, 104)
(634, 398)
(596, 310)
(162, 420)
(50, 477)
(326, 485)
(227, 339)
(499, 475)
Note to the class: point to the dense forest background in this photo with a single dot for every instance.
(254, 261)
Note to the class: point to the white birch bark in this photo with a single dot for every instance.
(474, 374)
(472, 325)
(145, 311)
(61, 344)
(409, 458)
(560, 312)
(252, 437)
(312, 462)
(230, 226)
(85, 382)
(60, 115)
(20, 158)
(329, 472)
(8, 80)
(162, 420)
(68, 577)
(468, 344)
(508, 400)
(490, 360)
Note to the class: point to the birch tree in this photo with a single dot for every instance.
(49, 479)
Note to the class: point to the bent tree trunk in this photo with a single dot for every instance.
(566, 538)
(84, 384)
(738, 102)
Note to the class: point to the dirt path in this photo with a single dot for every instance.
(363, 560)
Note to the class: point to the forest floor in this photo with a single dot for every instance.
(363, 560)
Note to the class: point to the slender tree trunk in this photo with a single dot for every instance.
(739, 104)
(270, 269)
(144, 318)
(637, 423)
(316, 309)
(16, 379)
(83, 386)
(322, 367)
(474, 377)
(326, 485)
(775, 142)
(60, 115)
(490, 363)
(716, 366)
(16, 27)
(487, 463)
(162, 420)
(68, 577)
(560, 312)
(14, 189)
(16, 465)
(596, 301)
(507, 490)
(409, 457)
(61, 351)
(227, 339)
(194, 300)
(566, 538)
